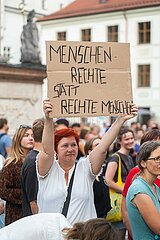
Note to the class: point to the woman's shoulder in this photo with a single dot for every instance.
(13, 164)
(139, 182)
(138, 186)
(12, 168)
(113, 157)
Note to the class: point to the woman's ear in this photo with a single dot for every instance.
(143, 164)
(89, 151)
(55, 154)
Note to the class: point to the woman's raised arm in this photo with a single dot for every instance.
(46, 156)
(98, 154)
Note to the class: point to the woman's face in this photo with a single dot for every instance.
(67, 150)
(152, 165)
(96, 143)
(27, 141)
(127, 141)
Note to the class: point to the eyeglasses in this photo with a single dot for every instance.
(156, 159)
(24, 126)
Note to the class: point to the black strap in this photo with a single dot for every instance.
(68, 198)
(123, 163)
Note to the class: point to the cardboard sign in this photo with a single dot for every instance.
(89, 79)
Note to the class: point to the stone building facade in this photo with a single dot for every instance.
(136, 22)
(21, 94)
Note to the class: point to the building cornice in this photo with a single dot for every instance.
(22, 73)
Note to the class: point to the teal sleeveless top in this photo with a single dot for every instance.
(140, 229)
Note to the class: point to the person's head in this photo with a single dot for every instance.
(85, 134)
(95, 130)
(91, 144)
(125, 138)
(94, 229)
(22, 143)
(152, 124)
(4, 125)
(134, 126)
(66, 144)
(37, 127)
(155, 126)
(139, 133)
(77, 128)
(61, 123)
(148, 157)
(30, 16)
(153, 134)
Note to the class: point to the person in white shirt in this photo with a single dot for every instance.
(2, 161)
(54, 226)
(44, 226)
(54, 175)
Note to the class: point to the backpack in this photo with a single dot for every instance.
(101, 195)
(2, 148)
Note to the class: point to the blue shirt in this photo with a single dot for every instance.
(140, 229)
(5, 142)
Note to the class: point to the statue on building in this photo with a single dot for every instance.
(29, 41)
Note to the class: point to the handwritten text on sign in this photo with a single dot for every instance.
(89, 79)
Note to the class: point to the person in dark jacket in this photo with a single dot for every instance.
(28, 173)
(100, 189)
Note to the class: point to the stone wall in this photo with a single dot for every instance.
(21, 94)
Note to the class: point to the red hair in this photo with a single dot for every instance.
(64, 133)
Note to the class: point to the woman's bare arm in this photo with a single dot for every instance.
(46, 156)
(109, 176)
(98, 154)
(148, 211)
(125, 215)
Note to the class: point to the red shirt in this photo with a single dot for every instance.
(130, 178)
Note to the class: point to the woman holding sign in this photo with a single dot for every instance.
(60, 178)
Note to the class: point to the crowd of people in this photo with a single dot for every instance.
(56, 177)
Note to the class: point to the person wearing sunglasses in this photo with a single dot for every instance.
(143, 197)
(10, 179)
